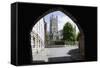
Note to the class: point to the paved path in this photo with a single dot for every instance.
(68, 53)
(60, 52)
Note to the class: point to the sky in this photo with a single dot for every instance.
(62, 19)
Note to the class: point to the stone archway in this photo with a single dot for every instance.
(81, 37)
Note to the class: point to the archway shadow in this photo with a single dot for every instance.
(75, 55)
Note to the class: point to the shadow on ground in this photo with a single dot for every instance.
(74, 56)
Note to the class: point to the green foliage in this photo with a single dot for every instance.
(59, 43)
(78, 36)
(69, 33)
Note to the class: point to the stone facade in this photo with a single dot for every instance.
(53, 28)
(38, 41)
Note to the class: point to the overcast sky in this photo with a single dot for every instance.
(62, 19)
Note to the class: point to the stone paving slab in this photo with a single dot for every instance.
(62, 53)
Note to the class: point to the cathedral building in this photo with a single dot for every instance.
(53, 28)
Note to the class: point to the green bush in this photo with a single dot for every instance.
(59, 43)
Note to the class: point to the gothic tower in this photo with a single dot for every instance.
(53, 28)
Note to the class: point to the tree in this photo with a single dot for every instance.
(78, 36)
(69, 33)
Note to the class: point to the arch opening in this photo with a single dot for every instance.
(56, 35)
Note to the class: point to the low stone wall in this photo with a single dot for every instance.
(54, 46)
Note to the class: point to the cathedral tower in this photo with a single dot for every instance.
(53, 28)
